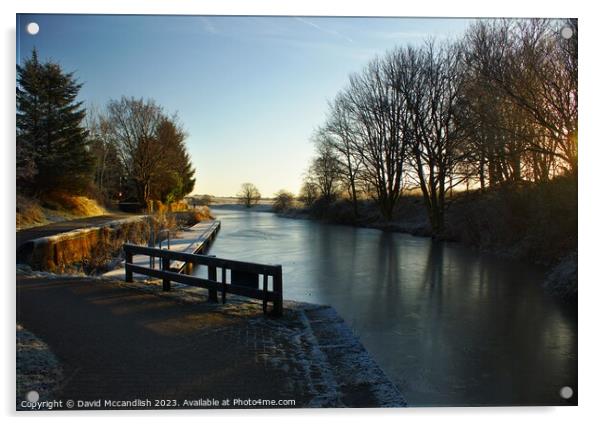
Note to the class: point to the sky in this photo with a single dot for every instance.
(249, 91)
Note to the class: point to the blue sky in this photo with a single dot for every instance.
(248, 90)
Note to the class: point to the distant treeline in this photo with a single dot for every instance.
(131, 150)
(497, 107)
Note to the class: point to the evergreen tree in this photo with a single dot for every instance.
(52, 150)
(175, 177)
(29, 128)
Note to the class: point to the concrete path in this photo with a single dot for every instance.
(26, 235)
(118, 343)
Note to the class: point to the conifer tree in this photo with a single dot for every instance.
(52, 150)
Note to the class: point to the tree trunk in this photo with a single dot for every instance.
(354, 199)
(482, 173)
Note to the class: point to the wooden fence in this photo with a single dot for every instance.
(235, 277)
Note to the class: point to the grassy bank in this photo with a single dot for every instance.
(54, 207)
(535, 223)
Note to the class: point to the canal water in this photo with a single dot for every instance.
(448, 325)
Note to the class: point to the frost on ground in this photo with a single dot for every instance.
(562, 279)
(26, 270)
(37, 368)
(326, 364)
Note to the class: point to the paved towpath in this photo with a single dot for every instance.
(51, 229)
(120, 343)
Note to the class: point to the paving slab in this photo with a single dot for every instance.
(127, 342)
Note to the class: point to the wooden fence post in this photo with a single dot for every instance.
(224, 288)
(265, 293)
(212, 275)
(128, 260)
(165, 267)
(278, 292)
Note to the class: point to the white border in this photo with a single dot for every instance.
(589, 214)
(511, 8)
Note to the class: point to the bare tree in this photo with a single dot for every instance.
(152, 149)
(309, 192)
(347, 143)
(381, 137)
(108, 167)
(496, 134)
(325, 169)
(526, 63)
(500, 107)
(430, 83)
(248, 195)
(133, 127)
(283, 200)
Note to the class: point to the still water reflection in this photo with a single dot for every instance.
(448, 325)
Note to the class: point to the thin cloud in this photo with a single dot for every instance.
(208, 26)
(402, 34)
(324, 30)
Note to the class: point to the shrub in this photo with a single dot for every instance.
(192, 217)
(205, 200)
(72, 204)
(54, 206)
(29, 212)
(283, 201)
(536, 222)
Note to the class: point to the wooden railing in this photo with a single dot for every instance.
(235, 277)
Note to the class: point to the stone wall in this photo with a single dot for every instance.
(57, 253)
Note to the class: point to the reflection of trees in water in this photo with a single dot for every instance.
(455, 326)
(387, 275)
(334, 253)
(487, 320)
(432, 278)
(324, 250)
(386, 281)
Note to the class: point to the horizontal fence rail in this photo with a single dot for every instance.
(244, 278)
